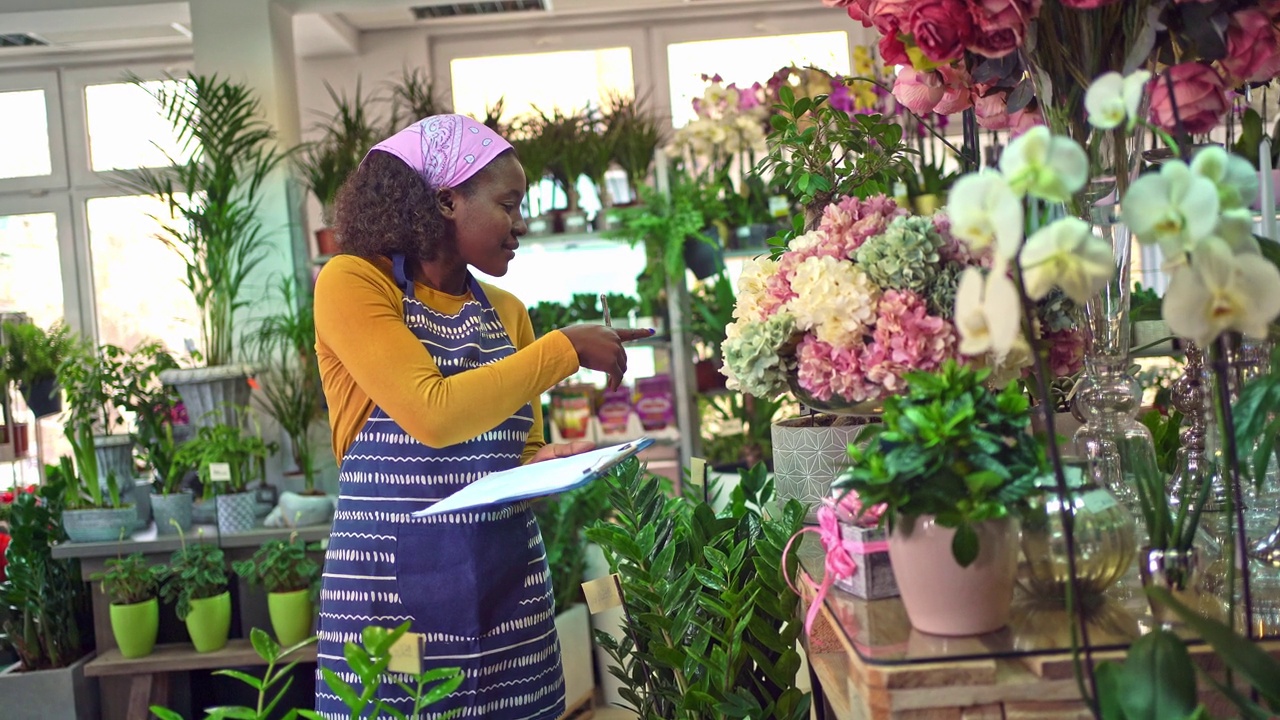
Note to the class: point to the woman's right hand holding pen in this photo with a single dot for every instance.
(601, 348)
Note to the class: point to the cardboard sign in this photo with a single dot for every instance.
(603, 593)
(406, 654)
(697, 472)
(220, 472)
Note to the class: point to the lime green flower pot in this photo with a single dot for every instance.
(209, 622)
(291, 616)
(135, 626)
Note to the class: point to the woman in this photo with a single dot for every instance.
(433, 380)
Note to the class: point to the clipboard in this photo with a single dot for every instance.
(549, 477)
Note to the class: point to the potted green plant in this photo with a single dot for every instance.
(49, 619)
(324, 164)
(91, 379)
(954, 464)
(32, 358)
(213, 196)
(132, 583)
(94, 509)
(196, 583)
(547, 316)
(597, 155)
(283, 345)
(228, 460)
(637, 135)
(928, 189)
(414, 97)
(711, 312)
(535, 152)
(569, 156)
(291, 580)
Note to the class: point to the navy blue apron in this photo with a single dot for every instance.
(474, 583)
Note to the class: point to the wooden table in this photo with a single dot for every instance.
(868, 663)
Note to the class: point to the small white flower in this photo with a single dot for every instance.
(1173, 207)
(1045, 166)
(983, 210)
(1234, 177)
(987, 313)
(1235, 227)
(1220, 291)
(1112, 98)
(1068, 255)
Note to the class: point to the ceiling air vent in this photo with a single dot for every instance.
(494, 7)
(20, 40)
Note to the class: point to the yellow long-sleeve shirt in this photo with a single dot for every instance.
(368, 358)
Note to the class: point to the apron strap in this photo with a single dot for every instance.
(403, 273)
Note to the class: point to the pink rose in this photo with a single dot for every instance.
(941, 28)
(892, 51)
(891, 15)
(1253, 50)
(992, 110)
(1000, 25)
(860, 10)
(957, 95)
(919, 91)
(838, 3)
(1086, 4)
(1024, 120)
(1199, 93)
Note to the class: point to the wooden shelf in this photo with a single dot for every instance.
(182, 657)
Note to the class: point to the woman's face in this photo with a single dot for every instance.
(487, 222)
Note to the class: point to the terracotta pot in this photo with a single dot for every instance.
(327, 242)
(943, 598)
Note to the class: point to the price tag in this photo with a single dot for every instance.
(220, 472)
(697, 472)
(602, 593)
(779, 206)
(406, 654)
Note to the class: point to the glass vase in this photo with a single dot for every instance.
(1178, 572)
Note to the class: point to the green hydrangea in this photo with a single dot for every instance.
(1057, 311)
(941, 292)
(752, 356)
(905, 256)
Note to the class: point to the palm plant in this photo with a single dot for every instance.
(213, 195)
(347, 135)
(637, 136)
(414, 97)
(569, 155)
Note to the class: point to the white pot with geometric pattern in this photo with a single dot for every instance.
(808, 457)
(235, 513)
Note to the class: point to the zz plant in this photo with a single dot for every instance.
(713, 628)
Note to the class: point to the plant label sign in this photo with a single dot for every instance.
(603, 593)
(406, 654)
(220, 472)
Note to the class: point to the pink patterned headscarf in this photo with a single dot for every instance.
(445, 150)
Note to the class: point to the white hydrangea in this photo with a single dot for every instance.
(835, 300)
(753, 285)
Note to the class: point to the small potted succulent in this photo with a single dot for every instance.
(228, 460)
(31, 359)
(291, 580)
(954, 464)
(197, 585)
(133, 584)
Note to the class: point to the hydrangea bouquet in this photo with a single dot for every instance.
(869, 295)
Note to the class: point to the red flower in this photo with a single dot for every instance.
(892, 51)
(942, 29)
(7, 497)
(4, 545)
(1000, 25)
(1199, 94)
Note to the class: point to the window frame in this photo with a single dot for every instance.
(48, 81)
(62, 208)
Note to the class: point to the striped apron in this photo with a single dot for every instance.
(474, 583)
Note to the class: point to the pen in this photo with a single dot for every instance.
(604, 305)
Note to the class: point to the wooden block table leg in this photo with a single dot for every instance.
(140, 696)
(160, 690)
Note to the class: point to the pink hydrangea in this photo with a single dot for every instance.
(828, 372)
(849, 222)
(906, 338)
(1066, 351)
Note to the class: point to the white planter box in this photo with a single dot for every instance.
(574, 628)
(62, 694)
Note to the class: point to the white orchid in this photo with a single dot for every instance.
(1235, 227)
(1220, 291)
(1044, 166)
(1174, 207)
(1112, 98)
(1068, 255)
(983, 210)
(987, 313)
(1234, 177)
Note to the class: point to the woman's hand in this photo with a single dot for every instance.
(559, 450)
(600, 348)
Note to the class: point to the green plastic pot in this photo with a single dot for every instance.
(135, 626)
(209, 622)
(291, 616)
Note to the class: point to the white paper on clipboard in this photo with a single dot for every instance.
(545, 478)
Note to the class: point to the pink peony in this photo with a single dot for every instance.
(957, 94)
(1086, 4)
(906, 338)
(941, 28)
(1199, 94)
(828, 372)
(919, 91)
(890, 16)
(1066, 352)
(849, 222)
(992, 110)
(1253, 48)
(1023, 120)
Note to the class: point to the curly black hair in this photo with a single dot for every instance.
(386, 208)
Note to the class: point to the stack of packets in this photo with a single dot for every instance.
(586, 412)
(868, 546)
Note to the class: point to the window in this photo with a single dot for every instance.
(126, 128)
(24, 125)
(566, 80)
(747, 60)
(30, 271)
(137, 279)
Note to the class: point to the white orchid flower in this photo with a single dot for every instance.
(1066, 254)
(1043, 165)
(983, 210)
(1220, 291)
(1235, 178)
(1235, 227)
(1112, 98)
(987, 312)
(1173, 207)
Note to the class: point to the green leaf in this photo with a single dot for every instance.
(709, 579)
(340, 688)
(964, 546)
(1158, 678)
(245, 678)
(265, 645)
(231, 713)
(165, 713)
